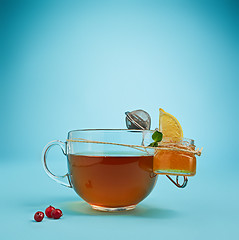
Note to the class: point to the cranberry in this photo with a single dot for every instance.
(56, 213)
(39, 216)
(48, 211)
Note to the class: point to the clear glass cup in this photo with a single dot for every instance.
(108, 177)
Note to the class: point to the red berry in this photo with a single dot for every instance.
(56, 213)
(48, 211)
(39, 216)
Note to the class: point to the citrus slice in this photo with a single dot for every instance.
(170, 126)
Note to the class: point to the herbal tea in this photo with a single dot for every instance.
(112, 181)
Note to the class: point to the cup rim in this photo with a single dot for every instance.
(110, 129)
(121, 130)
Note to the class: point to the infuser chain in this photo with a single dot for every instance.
(183, 185)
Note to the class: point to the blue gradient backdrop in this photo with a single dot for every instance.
(81, 64)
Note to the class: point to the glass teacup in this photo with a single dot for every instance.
(109, 177)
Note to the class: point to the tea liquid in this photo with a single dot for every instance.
(112, 181)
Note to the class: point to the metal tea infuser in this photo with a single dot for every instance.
(138, 119)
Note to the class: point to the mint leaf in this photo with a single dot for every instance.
(157, 136)
(153, 144)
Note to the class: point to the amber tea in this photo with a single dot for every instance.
(112, 181)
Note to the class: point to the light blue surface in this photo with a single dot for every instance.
(205, 209)
(81, 64)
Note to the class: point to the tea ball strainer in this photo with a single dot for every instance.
(138, 119)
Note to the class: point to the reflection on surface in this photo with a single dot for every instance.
(83, 208)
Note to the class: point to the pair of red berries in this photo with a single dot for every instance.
(50, 212)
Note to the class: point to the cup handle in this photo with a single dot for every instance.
(49, 173)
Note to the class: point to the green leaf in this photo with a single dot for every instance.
(157, 136)
(153, 144)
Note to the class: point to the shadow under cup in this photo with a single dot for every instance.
(109, 177)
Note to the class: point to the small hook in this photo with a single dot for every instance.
(183, 185)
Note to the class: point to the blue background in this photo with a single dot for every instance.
(81, 64)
